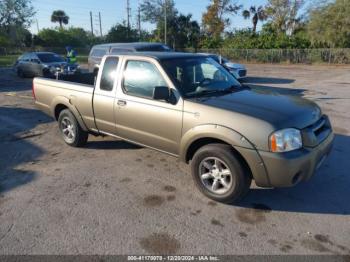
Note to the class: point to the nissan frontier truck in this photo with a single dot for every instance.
(190, 107)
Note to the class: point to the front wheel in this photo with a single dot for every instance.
(70, 129)
(20, 73)
(219, 173)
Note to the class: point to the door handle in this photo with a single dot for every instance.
(121, 103)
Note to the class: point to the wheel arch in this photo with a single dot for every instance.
(61, 103)
(241, 146)
(204, 134)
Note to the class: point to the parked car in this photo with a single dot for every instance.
(189, 106)
(42, 64)
(98, 51)
(239, 71)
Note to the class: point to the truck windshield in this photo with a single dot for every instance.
(199, 76)
(50, 58)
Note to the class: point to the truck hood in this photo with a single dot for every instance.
(234, 65)
(281, 111)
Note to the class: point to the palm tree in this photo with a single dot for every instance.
(59, 16)
(257, 14)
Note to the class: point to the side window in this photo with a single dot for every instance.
(140, 78)
(98, 52)
(109, 73)
(26, 57)
(119, 50)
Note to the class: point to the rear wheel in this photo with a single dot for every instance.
(70, 129)
(219, 173)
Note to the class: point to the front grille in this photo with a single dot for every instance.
(242, 73)
(314, 134)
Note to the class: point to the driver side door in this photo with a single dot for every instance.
(139, 117)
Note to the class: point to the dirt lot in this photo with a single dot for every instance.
(115, 198)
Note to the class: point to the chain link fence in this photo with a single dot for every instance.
(59, 50)
(292, 56)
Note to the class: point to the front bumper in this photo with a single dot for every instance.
(287, 169)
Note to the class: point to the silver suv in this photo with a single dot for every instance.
(98, 51)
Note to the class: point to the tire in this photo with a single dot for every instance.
(219, 162)
(70, 129)
(20, 73)
(45, 73)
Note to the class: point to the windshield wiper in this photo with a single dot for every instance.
(230, 89)
(203, 92)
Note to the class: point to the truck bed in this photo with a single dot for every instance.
(84, 78)
(74, 91)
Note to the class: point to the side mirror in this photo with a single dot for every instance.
(37, 61)
(161, 93)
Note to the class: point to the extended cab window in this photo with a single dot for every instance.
(109, 73)
(140, 78)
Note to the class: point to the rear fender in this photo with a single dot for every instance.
(66, 102)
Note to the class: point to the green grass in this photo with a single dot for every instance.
(9, 60)
(82, 59)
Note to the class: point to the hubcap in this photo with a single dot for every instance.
(67, 129)
(215, 175)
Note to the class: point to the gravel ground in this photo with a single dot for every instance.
(116, 198)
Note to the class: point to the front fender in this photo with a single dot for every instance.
(66, 102)
(223, 133)
(231, 137)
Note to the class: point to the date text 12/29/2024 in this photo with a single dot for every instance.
(173, 258)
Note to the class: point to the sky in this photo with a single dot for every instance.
(114, 11)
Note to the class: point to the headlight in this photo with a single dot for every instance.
(285, 140)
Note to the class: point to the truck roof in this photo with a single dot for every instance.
(164, 55)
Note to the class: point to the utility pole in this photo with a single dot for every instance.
(128, 15)
(165, 21)
(139, 21)
(37, 25)
(92, 25)
(99, 16)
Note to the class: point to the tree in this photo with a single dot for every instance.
(284, 14)
(16, 13)
(154, 11)
(257, 14)
(329, 24)
(122, 34)
(73, 36)
(182, 30)
(214, 20)
(15, 18)
(59, 16)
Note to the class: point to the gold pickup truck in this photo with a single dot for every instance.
(189, 106)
